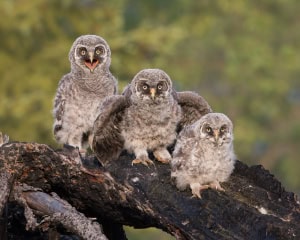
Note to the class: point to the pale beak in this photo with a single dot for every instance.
(152, 92)
(91, 54)
(216, 134)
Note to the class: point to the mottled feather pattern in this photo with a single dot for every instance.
(108, 142)
(193, 107)
(204, 154)
(148, 122)
(80, 92)
(159, 122)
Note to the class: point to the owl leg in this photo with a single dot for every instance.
(75, 140)
(197, 188)
(162, 155)
(141, 156)
(91, 137)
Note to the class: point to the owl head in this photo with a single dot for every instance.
(151, 85)
(90, 53)
(215, 128)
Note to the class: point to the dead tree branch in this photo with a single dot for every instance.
(253, 206)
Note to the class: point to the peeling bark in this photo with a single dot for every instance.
(253, 206)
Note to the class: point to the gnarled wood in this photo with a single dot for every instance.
(253, 206)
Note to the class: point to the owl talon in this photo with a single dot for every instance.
(163, 160)
(197, 188)
(162, 155)
(145, 162)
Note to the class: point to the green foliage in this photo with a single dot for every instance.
(146, 234)
(242, 56)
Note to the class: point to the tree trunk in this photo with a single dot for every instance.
(253, 206)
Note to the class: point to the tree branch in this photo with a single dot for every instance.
(59, 211)
(6, 180)
(253, 206)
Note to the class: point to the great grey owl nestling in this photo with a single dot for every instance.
(204, 155)
(80, 92)
(145, 118)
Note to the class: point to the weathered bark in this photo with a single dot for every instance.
(6, 180)
(253, 206)
(57, 211)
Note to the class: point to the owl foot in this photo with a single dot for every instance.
(162, 155)
(197, 188)
(142, 161)
(216, 185)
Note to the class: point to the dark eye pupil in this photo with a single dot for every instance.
(99, 51)
(208, 129)
(82, 52)
(145, 87)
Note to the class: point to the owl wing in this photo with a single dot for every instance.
(108, 142)
(193, 107)
(59, 102)
(127, 91)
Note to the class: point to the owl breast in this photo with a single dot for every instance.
(82, 108)
(212, 163)
(150, 127)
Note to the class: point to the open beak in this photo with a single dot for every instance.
(92, 63)
(152, 92)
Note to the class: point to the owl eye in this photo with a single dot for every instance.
(99, 51)
(159, 87)
(145, 87)
(222, 129)
(208, 129)
(82, 52)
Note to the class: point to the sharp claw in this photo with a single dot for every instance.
(163, 160)
(144, 162)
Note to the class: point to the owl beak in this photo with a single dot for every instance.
(152, 92)
(91, 55)
(216, 134)
(92, 63)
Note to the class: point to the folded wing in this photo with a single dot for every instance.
(193, 107)
(108, 142)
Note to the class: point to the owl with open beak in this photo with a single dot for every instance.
(81, 91)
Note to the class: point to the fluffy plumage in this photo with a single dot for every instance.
(80, 92)
(204, 155)
(145, 118)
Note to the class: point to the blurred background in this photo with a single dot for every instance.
(243, 57)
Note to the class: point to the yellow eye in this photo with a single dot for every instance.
(222, 129)
(208, 129)
(99, 51)
(82, 52)
(145, 87)
(159, 87)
